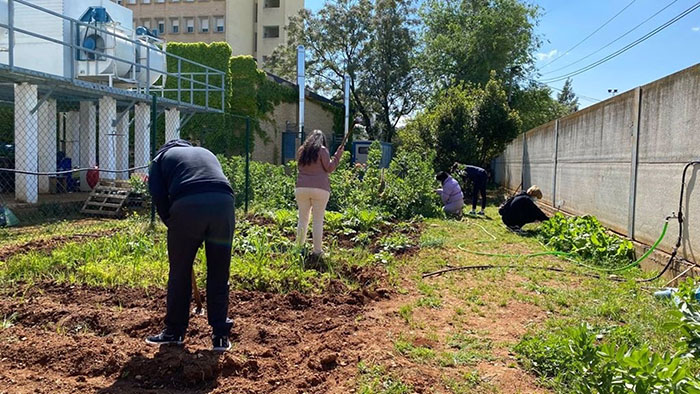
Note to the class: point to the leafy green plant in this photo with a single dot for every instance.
(396, 243)
(573, 359)
(587, 239)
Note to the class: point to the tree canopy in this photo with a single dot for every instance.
(373, 42)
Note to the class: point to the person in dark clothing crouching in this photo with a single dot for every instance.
(521, 209)
(195, 201)
(479, 178)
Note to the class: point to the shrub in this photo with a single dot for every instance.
(405, 189)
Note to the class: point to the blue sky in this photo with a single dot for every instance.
(566, 22)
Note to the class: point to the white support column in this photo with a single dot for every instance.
(123, 146)
(107, 139)
(88, 130)
(142, 136)
(73, 136)
(26, 143)
(172, 124)
(47, 142)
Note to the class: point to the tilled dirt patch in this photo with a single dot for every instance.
(66, 339)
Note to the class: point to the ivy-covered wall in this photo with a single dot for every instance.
(248, 93)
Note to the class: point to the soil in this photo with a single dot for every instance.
(68, 339)
(72, 338)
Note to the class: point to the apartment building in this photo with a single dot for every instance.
(251, 27)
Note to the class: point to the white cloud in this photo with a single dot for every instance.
(544, 56)
(696, 28)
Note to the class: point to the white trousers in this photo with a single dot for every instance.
(311, 199)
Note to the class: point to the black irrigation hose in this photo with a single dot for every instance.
(489, 266)
(680, 227)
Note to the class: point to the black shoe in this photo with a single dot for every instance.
(220, 343)
(165, 338)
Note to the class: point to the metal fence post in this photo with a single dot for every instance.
(247, 161)
(11, 34)
(154, 115)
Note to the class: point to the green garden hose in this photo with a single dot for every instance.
(566, 254)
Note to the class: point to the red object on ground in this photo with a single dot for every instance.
(92, 177)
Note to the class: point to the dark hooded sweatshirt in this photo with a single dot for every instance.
(522, 210)
(178, 170)
(477, 174)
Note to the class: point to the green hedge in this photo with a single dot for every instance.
(248, 93)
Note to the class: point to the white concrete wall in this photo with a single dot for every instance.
(669, 136)
(598, 169)
(538, 164)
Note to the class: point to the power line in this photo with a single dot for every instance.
(590, 35)
(587, 98)
(627, 47)
(613, 41)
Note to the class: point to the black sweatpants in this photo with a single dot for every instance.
(197, 218)
(479, 187)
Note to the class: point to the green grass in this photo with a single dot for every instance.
(263, 258)
(420, 354)
(376, 380)
(624, 314)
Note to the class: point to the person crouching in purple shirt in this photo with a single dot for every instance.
(451, 194)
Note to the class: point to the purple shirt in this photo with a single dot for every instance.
(451, 191)
(316, 174)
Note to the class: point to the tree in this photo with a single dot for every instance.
(567, 97)
(468, 124)
(392, 78)
(465, 40)
(373, 42)
(536, 106)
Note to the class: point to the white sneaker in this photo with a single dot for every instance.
(482, 212)
(472, 212)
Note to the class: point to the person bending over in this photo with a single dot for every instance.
(479, 178)
(521, 209)
(195, 201)
(451, 194)
(313, 187)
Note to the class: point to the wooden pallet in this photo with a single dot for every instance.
(107, 198)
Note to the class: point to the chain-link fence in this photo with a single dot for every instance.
(63, 158)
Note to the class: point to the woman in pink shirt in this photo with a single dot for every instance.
(313, 187)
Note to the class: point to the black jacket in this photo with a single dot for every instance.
(476, 174)
(521, 210)
(178, 170)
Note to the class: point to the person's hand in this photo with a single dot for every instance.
(340, 150)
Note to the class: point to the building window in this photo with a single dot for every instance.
(160, 1)
(271, 32)
(189, 1)
(175, 26)
(131, 2)
(219, 24)
(189, 25)
(174, 1)
(204, 24)
(256, 13)
(146, 23)
(255, 41)
(161, 26)
(146, 1)
(272, 4)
